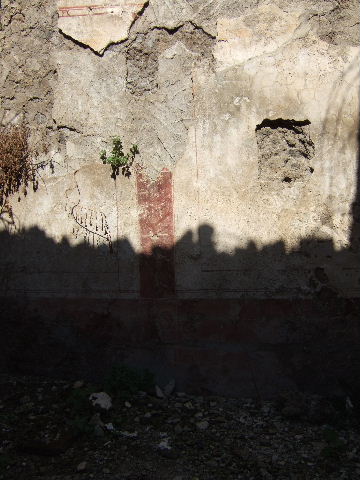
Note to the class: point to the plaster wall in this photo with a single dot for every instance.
(189, 84)
(246, 117)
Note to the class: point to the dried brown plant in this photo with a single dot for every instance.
(17, 170)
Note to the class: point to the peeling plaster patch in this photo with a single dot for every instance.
(260, 32)
(98, 24)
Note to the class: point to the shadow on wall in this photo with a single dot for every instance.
(189, 311)
(34, 264)
(236, 346)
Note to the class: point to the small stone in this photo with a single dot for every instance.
(203, 425)
(164, 444)
(173, 420)
(101, 399)
(81, 467)
(169, 388)
(159, 392)
(348, 404)
(129, 434)
(78, 384)
(127, 404)
(265, 473)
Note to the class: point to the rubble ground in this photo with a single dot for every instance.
(50, 429)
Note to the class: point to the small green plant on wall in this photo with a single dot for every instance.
(117, 158)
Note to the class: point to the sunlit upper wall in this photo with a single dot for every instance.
(246, 118)
(260, 75)
(272, 161)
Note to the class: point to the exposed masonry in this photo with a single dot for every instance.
(143, 51)
(28, 34)
(285, 150)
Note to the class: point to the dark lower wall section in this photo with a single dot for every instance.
(231, 347)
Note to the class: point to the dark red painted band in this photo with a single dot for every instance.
(156, 220)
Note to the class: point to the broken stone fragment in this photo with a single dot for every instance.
(159, 392)
(101, 399)
(81, 467)
(78, 384)
(203, 425)
(169, 388)
(98, 24)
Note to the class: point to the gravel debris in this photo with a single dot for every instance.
(49, 430)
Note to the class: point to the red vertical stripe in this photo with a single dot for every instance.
(156, 219)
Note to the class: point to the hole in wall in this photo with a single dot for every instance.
(285, 150)
(281, 123)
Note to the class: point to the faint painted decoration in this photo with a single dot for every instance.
(88, 223)
(98, 24)
(92, 226)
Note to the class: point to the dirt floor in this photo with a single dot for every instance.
(50, 429)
